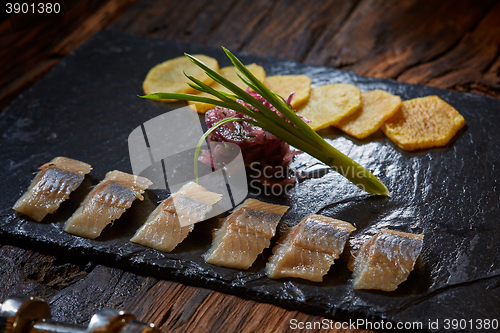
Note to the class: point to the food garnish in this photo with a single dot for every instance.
(284, 123)
(51, 186)
(376, 107)
(162, 230)
(284, 85)
(106, 203)
(309, 249)
(423, 123)
(330, 103)
(245, 234)
(169, 75)
(230, 73)
(255, 143)
(386, 260)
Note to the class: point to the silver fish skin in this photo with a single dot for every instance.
(245, 234)
(106, 203)
(309, 249)
(162, 230)
(386, 260)
(51, 186)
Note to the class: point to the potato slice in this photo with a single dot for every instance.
(283, 85)
(330, 103)
(169, 75)
(423, 123)
(376, 107)
(230, 74)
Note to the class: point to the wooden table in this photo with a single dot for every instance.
(447, 44)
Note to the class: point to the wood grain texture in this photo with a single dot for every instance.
(28, 54)
(76, 291)
(444, 44)
(441, 44)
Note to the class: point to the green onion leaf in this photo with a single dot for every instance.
(294, 131)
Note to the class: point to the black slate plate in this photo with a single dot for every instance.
(86, 107)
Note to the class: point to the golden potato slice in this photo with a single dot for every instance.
(329, 103)
(376, 107)
(283, 85)
(169, 75)
(423, 123)
(230, 74)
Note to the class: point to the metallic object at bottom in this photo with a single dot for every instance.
(22, 314)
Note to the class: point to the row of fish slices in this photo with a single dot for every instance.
(163, 229)
(306, 251)
(309, 249)
(110, 199)
(105, 203)
(244, 234)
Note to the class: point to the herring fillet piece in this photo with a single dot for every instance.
(162, 230)
(105, 203)
(309, 249)
(51, 186)
(245, 234)
(386, 260)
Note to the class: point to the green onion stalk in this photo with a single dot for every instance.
(292, 130)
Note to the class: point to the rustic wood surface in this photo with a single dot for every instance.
(447, 44)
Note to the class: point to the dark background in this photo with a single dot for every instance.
(448, 44)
